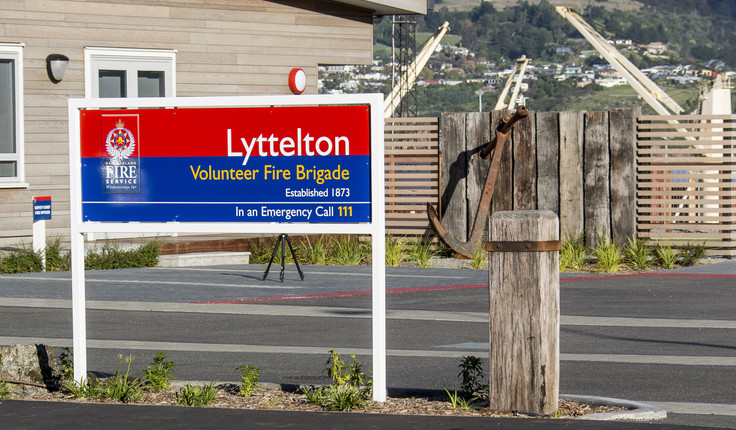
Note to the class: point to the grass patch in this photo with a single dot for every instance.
(638, 254)
(666, 256)
(574, 253)
(312, 253)
(421, 252)
(608, 255)
(395, 254)
(198, 396)
(349, 250)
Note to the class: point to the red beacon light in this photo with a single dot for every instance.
(297, 81)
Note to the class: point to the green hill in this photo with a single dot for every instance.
(697, 33)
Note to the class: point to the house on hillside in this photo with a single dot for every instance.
(150, 48)
(655, 48)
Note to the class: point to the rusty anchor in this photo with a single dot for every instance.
(503, 131)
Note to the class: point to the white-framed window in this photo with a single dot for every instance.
(123, 72)
(11, 116)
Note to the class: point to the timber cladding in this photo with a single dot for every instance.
(223, 47)
(579, 165)
(412, 173)
(685, 181)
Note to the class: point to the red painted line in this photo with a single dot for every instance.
(457, 287)
(343, 294)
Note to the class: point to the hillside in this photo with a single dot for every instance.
(679, 43)
(467, 5)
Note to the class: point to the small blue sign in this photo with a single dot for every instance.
(41, 208)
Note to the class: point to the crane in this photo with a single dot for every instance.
(645, 87)
(520, 65)
(391, 102)
(717, 99)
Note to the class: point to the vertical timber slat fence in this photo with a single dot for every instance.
(579, 165)
(412, 159)
(685, 181)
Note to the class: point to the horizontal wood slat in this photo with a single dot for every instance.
(700, 150)
(694, 186)
(686, 180)
(643, 219)
(412, 120)
(695, 193)
(412, 173)
(671, 134)
(664, 118)
(687, 177)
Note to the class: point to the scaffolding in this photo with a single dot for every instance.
(403, 53)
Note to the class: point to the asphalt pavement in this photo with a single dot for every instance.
(664, 338)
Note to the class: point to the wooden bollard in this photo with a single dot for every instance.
(524, 283)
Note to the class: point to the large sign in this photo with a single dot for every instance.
(251, 164)
(259, 165)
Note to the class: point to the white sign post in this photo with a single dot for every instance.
(309, 164)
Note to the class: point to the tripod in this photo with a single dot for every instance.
(283, 238)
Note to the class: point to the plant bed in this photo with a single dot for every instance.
(266, 398)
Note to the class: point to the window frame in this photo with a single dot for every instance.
(14, 51)
(130, 60)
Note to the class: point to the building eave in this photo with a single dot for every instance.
(396, 7)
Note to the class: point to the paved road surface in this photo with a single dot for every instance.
(666, 338)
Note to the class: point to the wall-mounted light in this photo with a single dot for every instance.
(56, 65)
(297, 81)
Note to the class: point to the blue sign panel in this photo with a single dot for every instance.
(41, 208)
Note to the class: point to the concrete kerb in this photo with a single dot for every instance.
(636, 410)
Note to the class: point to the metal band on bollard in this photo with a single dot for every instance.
(524, 246)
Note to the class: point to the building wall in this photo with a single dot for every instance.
(224, 47)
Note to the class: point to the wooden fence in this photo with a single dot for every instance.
(579, 165)
(412, 173)
(685, 180)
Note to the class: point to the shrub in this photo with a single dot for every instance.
(347, 250)
(395, 254)
(666, 256)
(249, 375)
(85, 389)
(471, 373)
(56, 260)
(260, 251)
(573, 254)
(111, 256)
(158, 375)
(121, 387)
(346, 391)
(192, 395)
(21, 261)
(4, 389)
(608, 255)
(690, 255)
(66, 364)
(638, 254)
(480, 258)
(313, 253)
(421, 251)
